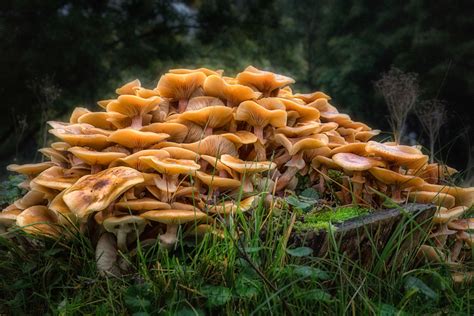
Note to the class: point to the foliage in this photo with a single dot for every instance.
(9, 190)
(325, 218)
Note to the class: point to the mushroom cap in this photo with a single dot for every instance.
(335, 117)
(143, 204)
(354, 162)
(97, 141)
(240, 137)
(399, 154)
(391, 177)
(217, 164)
(468, 238)
(146, 93)
(213, 145)
(300, 129)
(95, 192)
(326, 161)
(61, 146)
(132, 105)
(181, 153)
(207, 72)
(201, 102)
(31, 198)
(365, 136)
(462, 224)
(242, 166)
(235, 93)
(295, 145)
(129, 87)
(306, 113)
(8, 217)
(102, 120)
(58, 178)
(76, 114)
(174, 216)
(231, 207)
(180, 86)
(265, 81)
(132, 138)
(354, 148)
(171, 166)
(103, 103)
(464, 196)
(214, 181)
(92, 157)
(444, 215)
(310, 154)
(256, 115)
(211, 116)
(176, 131)
(311, 97)
(440, 199)
(38, 220)
(128, 223)
(30, 169)
(62, 211)
(134, 161)
(54, 154)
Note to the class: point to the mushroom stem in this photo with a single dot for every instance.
(322, 179)
(122, 240)
(106, 256)
(282, 159)
(396, 193)
(137, 122)
(169, 239)
(260, 151)
(286, 177)
(208, 131)
(182, 105)
(456, 250)
(258, 131)
(346, 190)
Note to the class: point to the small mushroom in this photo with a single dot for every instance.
(126, 228)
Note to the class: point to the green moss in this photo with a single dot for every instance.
(325, 219)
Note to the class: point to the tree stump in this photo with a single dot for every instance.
(381, 240)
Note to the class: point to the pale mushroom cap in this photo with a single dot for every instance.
(61, 146)
(132, 105)
(77, 113)
(242, 166)
(113, 224)
(354, 162)
(142, 205)
(240, 137)
(217, 87)
(444, 215)
(58, 178)
(355, 148)
(326, 161)
(201, 102)
(391, 177)
(464, 196)
(311, 97)
(295, 145)
(176, 131)
(101, 119)
(231, 207)
(173, 216)
(217, 182)
(132, 138)
(440, 199)
(402, 155)
(301, 129)
(30, 169)
(92, 157)
(38, 220)
(214, 145)
(97, 141)
(211, 116)
(256, 115)
(307, 113)
(134, 161)
(206, 71)
(129, 87)
(62, 211)
(95, 192)
(216, 163)
(181, 153)
(103, 103)
(462, 224)
(171, 166)
(263, 80)
(8, 218)
(180, 86)
(54, 154)
(31, 198)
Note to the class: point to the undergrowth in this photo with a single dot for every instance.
(255, 272)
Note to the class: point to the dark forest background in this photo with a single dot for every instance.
(55, 55)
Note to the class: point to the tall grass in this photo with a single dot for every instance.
(252, 270)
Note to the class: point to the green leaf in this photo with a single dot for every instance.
(300, 252)
(253, 249)
(388, 310)
(310, 193)
(216, 295)
(246, 287)
(412, 283)
(137, 298)
(316, 295)
(307, 271)
(186, 311)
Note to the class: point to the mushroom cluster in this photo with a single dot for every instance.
(200, 147)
